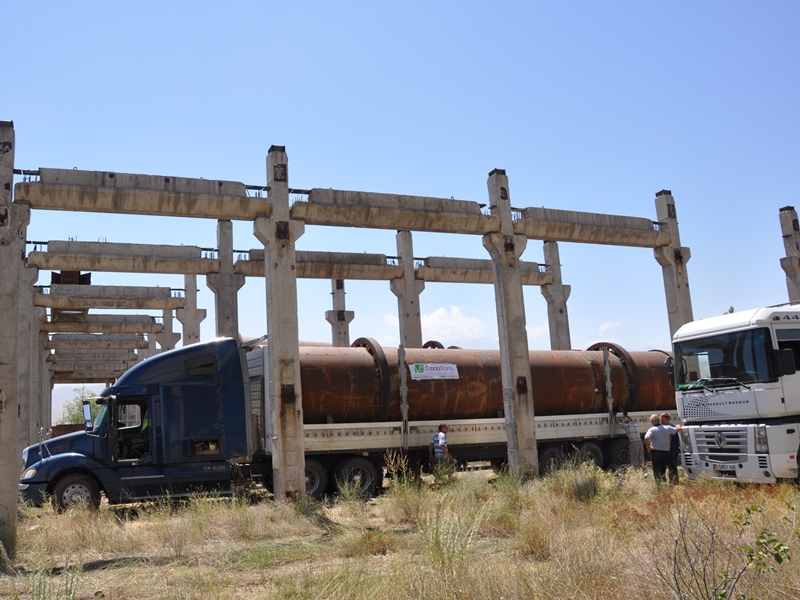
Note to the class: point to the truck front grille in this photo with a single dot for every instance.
(721, 441)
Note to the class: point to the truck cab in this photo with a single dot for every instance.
(738, 393)
(171, 426)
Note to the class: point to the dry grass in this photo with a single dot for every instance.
(580, 533)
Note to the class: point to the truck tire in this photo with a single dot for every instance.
(591, 452)
(550, 459)
(76, 491)
(359, 471)
(316, 478)
(618, 453)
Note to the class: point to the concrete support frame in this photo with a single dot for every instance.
(790, 230)
(556, 295)
(407, 291)
(225, 284)
(673, 259)
(190, 317)
(279, 235)
(13, 224)
(339, 318)
(505, 248)
(167, 339)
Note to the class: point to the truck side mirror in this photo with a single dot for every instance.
(87, 415)
(787, 362)
(670, 370)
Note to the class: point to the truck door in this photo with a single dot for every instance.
(790, 338)
(134, 450)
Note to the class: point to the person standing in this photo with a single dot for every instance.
(658, 440)
(674, 448)
(631, 428)
(439, 453)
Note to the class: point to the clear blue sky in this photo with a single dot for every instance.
(588, 106)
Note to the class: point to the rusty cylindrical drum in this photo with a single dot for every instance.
(362, 383)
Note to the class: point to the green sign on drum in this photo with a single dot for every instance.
(422, 371)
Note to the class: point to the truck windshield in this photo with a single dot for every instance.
(742, 357)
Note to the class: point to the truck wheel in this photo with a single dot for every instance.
(550, 459)
(76, 491)
(316, 478)
(592, 453)
(618, 454)
(359, 472)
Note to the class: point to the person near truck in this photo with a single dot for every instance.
(438, 451)
(636, 448)
(658, 440)
(674, 448)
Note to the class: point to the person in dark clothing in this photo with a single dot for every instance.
(674, 449)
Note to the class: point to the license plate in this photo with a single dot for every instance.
(724, 467)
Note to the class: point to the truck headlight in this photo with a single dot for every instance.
(686, 440)
(761, 446)
(29, 473)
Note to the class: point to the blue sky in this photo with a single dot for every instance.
(587, 106)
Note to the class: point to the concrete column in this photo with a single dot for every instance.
(45, 384)
(279, 234)
(166, 339)
(339, 318)
(505, 249)
(27, 400)
(151, 350)
(556, 294)
(407, 291)
(191, 316)
(225, 284)
(13, 223)
(790, 230)
(673, 259)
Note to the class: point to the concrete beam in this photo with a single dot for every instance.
(392, 211)
(328, 265)
(109, 341)
(474, 270)
(97, 191)
(123, 258)
(84, 297)
(590, 228)
(87, 377)
(88, 366)
(92, 355)
(106, 324)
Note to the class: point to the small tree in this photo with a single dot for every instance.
(73, 408)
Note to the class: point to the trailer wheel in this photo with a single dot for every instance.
(76, 491)
(591, 452)
(316, 478)
(618, 453)
(550, 459)
(359, 473)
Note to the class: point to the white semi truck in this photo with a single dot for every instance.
(738, 394)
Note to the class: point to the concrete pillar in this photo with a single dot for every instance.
(225, 284)
(790, 230)
(190, 317)
(279, 234)
(151, 350)
(505, 248)
(556, 295)
(13, 224)
(45, 383)
(27, 400)
(166, 339)
(673, 259)
(339, 318)
(407, 291)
